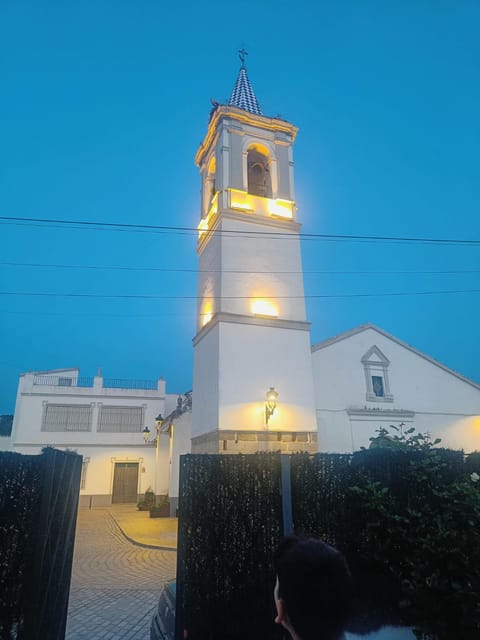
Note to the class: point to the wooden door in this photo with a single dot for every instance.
(125, 482)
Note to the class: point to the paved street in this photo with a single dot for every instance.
(115, 584)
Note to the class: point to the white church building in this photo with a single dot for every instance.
(258, 383)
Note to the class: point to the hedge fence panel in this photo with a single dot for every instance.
(230, 522)
(38, 508)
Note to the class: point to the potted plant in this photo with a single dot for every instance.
(161, 509)
(148, 501)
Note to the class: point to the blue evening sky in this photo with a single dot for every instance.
(103, 105)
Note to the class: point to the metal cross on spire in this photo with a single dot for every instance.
(242, 53)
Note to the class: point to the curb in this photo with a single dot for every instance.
(140, 544)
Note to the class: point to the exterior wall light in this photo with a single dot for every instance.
(146, 434)
(158, 427)
(158, 424)
(270, 404)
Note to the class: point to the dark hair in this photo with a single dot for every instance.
(315, 585)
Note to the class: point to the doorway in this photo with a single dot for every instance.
(125, 482)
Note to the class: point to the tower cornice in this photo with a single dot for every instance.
(280, 226)
(245, 117)
(258, 321)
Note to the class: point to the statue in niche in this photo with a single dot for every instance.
(259, 180)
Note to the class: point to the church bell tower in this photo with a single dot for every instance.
(252, 383)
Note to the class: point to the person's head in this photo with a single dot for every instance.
(313, 593)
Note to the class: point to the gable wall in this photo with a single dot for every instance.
(441, 403)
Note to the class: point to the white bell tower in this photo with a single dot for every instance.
(252, 335)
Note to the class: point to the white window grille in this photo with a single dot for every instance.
(120, 419)
(67, 417)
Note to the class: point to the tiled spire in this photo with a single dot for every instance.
(243, 95)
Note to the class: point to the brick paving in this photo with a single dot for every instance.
(115, 584)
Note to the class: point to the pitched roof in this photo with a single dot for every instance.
(243, 95)
(368, 325)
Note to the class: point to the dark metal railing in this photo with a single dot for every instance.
(87, 381)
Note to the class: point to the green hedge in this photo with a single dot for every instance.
(384, 508)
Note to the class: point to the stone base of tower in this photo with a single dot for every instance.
(254, 441)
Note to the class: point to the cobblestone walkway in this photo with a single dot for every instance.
(115, 584)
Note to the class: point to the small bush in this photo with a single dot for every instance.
(148, 501)
(427, 542)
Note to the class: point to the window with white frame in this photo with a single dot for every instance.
(67, 417)
(375, 365)
(120, 419)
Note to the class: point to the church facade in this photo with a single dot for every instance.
(253, 336)
(258, 384)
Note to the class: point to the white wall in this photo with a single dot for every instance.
(264, 259)
(31, 400)
(234, 366)
(252, 359)
(102, 449)
(209, 280)
(205, 382)
(101, 465)
(442, 403)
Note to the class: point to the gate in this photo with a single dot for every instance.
(38, 510)
(125, 482)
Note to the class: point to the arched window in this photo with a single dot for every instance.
(259, 180)
(209, 185)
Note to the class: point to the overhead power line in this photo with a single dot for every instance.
(99, 225)
(247, 271)
(176, 297)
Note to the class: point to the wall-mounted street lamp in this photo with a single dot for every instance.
(158, 425)
(146, 434)
(270, 404)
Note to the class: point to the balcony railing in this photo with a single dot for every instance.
(118, 383)
(87, 381)
(64, 381)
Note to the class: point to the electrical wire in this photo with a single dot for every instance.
(44, 294)
(247, 234)
(246, 271)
